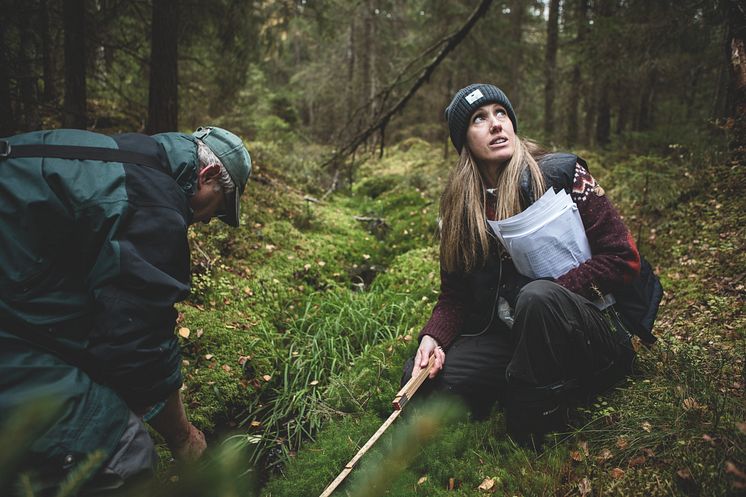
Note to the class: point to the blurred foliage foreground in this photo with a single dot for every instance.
(298, 326)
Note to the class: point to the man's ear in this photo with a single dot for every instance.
(207, 173)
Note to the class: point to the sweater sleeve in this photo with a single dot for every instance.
(615, 260)
(447, 318)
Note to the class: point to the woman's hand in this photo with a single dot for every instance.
(428, 346)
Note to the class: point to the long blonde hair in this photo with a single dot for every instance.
(465, 235)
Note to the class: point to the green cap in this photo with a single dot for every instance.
(235, 158)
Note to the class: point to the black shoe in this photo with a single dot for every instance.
(531, 413)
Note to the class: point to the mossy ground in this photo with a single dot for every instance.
(300, 324)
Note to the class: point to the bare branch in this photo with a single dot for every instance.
(380, 122)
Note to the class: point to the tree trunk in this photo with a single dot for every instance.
(365, 58)
(7, 121)
(516, 33)
(647, 102)
(351, 47)
(550, 68)
(27, 79)
(163, 103)
(604, 73)
(603, 117)
(623, 114)
(448, 96)
(737, 28)
(74, 107)
(573, 114)
(47, 49)
(352, 43)
(590, 112)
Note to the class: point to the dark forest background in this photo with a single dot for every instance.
(579, 72)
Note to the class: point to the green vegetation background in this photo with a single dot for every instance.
(300, 325)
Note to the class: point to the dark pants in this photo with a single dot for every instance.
(559, 343)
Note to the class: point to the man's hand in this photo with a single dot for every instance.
(185, 441)
(428, 346)
(189, 448)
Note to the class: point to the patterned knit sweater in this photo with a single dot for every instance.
(615, 260)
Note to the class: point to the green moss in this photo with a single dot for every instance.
(328, 308)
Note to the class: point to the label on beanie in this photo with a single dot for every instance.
(474, 96)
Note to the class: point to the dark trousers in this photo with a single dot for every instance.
(559, 343)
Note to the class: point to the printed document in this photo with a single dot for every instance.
(547, 239)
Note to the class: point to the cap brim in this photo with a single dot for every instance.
(232, 208)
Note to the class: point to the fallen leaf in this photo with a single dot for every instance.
(422, 480)
(266, 377)
(584, 486)
(684, 474)
(314, 383)
(576, 455)
(731, 468)
(647, 426)
(617, 473)
(648, 452)
(707, 438)
(604, 456)
(636, 461)
(209, 356)
(488, 485)
(741, 426)
(321, 263)
(199, 332)
(584, 447)
(243, 359)
(690, 404)
(256, 424)
(226, 368)
(184, 332)
(622, 442)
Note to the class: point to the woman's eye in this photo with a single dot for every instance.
(478, 118)
(501, 113)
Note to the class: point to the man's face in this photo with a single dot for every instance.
(209, 199)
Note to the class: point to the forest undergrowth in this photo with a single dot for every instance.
(676, 427)
(297, 329)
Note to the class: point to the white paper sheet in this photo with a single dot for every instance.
(547, 239)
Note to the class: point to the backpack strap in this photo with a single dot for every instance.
(75, 152)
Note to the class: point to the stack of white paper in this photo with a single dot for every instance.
(547, 239)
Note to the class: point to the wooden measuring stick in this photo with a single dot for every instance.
(408, 390)
(402, 397)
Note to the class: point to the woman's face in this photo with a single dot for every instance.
(490, 137)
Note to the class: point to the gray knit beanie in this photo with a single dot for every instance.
(466, 101)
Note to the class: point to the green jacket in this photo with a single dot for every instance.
(93, 256)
